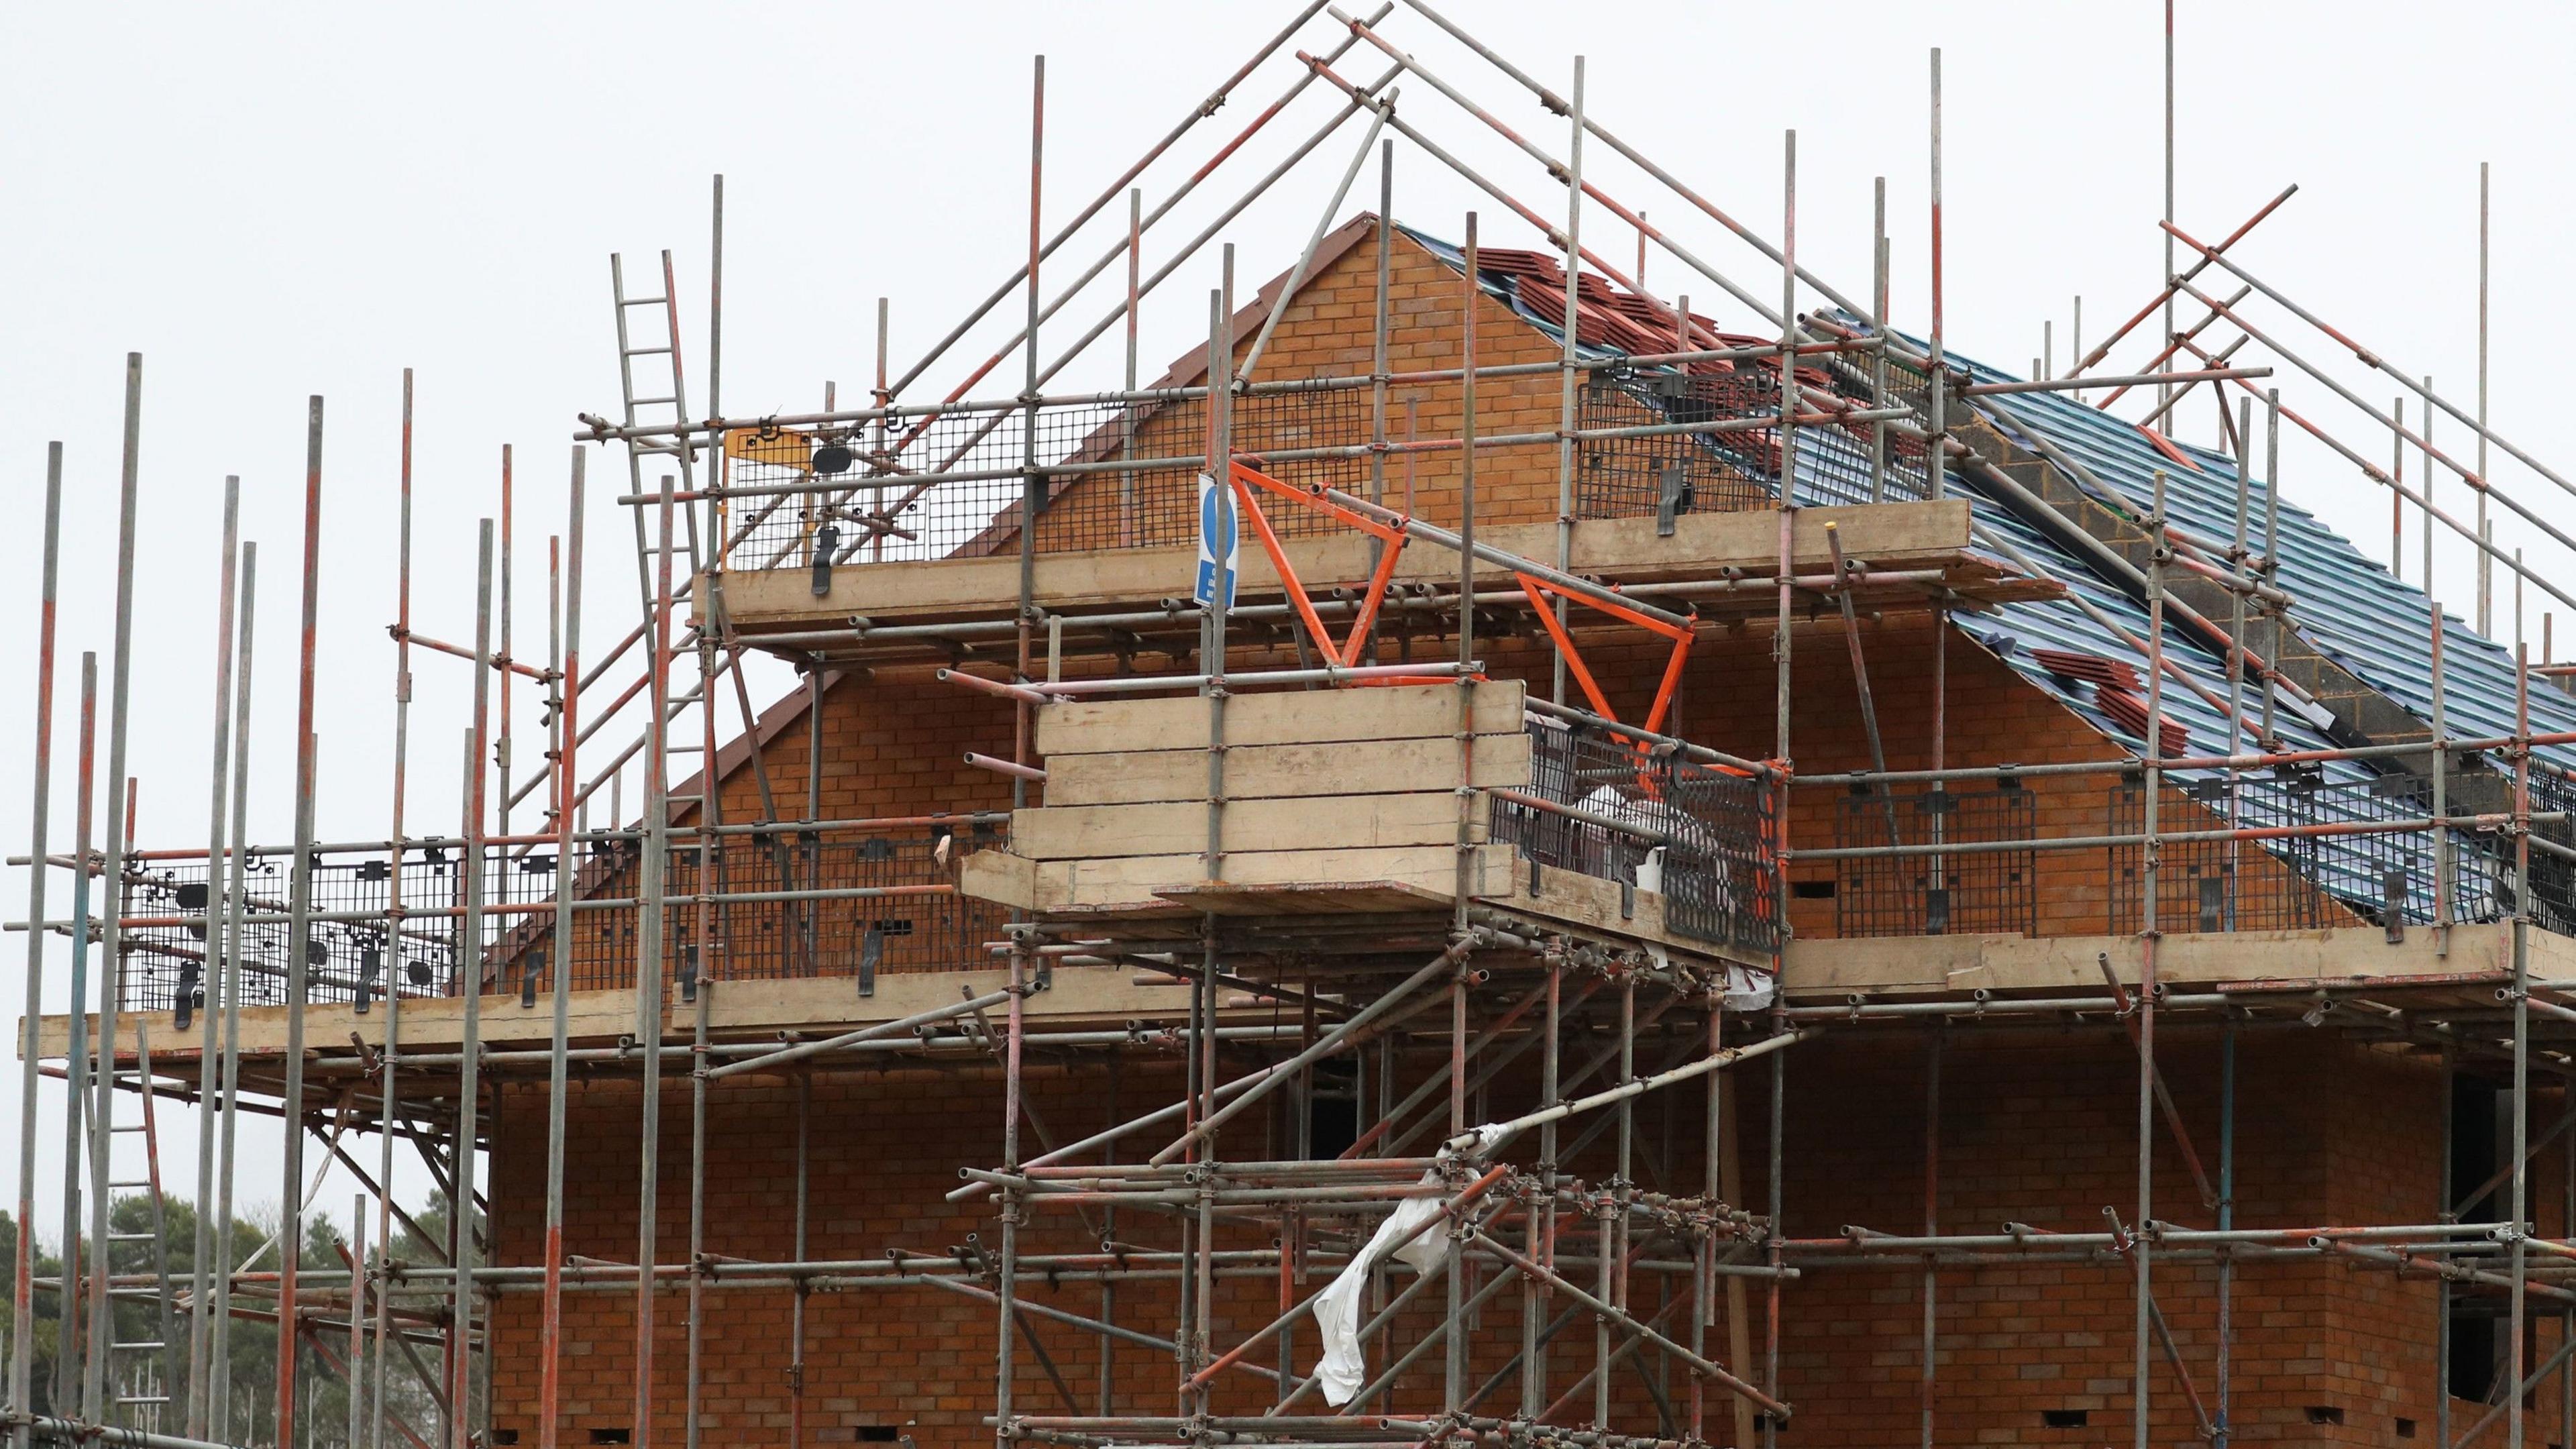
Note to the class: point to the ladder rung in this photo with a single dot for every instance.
(139, 1347)
(652, 402)
(643, 301)
(145, 1399)
(132, 1237)
(645, 352)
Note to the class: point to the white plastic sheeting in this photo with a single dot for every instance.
(1337, 1308)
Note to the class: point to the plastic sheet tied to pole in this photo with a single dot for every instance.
(1406, 1236)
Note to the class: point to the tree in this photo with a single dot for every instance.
(249, 1375)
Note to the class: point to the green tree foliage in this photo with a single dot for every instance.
(249, 1376)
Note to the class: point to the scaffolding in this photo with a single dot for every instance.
(1430, 1278)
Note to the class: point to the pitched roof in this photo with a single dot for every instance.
(2347, 605)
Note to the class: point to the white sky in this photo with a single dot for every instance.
(278, 200)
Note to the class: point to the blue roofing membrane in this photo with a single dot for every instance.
(2347, 605)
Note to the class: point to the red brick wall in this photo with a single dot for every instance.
(2036, 1127)
(1994, 716)
(1327, 332)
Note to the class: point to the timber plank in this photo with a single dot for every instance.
(1368, 767)
(1135, 882)
(1300, 822)
(1394, 712)
(738, 1010)
(2071, 964)
(1886, 535)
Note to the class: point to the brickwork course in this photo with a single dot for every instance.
(2036, 1127)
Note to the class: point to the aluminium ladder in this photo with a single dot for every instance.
(142, 1388)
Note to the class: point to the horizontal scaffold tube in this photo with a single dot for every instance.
(1553, 577)
(1495, 1136)
(900, 1027)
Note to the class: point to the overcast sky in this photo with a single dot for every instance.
(273, 201)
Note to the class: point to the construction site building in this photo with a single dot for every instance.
(1496, 856)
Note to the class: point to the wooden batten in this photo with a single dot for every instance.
(1301, 822)
(1300, 717)
(1137, 884)
(1341, 789)
(1616, 550)
(1366, 767)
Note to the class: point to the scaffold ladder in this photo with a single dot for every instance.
(640, 341)
(636, 343)
(142, 1387)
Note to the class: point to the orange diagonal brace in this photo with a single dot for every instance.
(1246, 473)
(1287, 572)
(1671, 683)
(1537, 593)
(1624, 614)
(1376, 596)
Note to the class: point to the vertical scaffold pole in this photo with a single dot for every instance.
(1782, 656)
(456, 1369)
(299, 931)
(2220, 1431)
(709, 885)
(469, 966)
(567, 784)
(200, 1324)
(236, 901)
(67, 1358)
(2164, 280)
(1379, 314)
(2140, 1252)
(1467, 454)
(1567, 373)
(2441, 780)
(1704, 1265)
(1032, 502)
(1454, 1345)
(1878, 354)
(2272, 536)
(1127, 537)
(22, 1289)
(1611, 1243)
(1033, 499)
(2518, 1310)
(507, 661)
(94, 1385)
(2486, 561)
(393, 910)
(1936, 464)
(2444, 1185)
(1536, 1294)
(1931, 1223)
(353, 1374)
(796, 1309)
(2236, 666)
(648, 957)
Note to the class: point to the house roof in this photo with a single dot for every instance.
(2348, 606)
(2346, 603)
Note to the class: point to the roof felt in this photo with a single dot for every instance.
(2346, 604)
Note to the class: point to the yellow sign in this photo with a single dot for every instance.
(780, 447)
